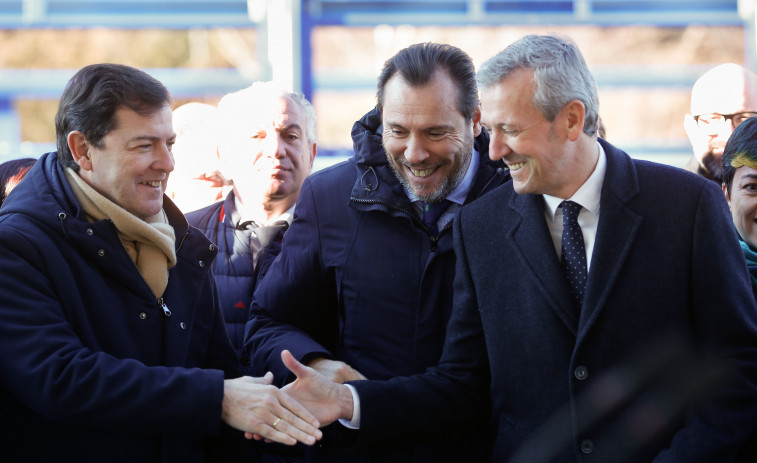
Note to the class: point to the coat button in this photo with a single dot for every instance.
(212, 248)
(142, 315)
(587, 446)
(581, 372)
(90, 231)
(101, 252)
(183, 326)
(201, 263)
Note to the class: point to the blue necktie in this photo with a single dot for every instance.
(432, 212)
(573, 251)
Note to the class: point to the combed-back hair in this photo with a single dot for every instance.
(418, 63)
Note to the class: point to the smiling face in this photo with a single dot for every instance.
(268, 156)
(532, 147)
(743, 203)
(132, 165)
(427, 140)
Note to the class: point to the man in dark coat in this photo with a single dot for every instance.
(113, 345)
(363, 285)
(268, 147)
(601, 303)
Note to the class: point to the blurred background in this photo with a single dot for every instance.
(645, 55)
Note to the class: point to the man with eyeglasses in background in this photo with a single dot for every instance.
(721, 99)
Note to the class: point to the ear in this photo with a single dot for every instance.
(574, 111)
(477, 120)
(725, 192)
(80, 147)
(313, 151)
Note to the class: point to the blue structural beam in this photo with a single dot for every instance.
(230, 13)
(123, 13)
(489, 12)
(182, 83)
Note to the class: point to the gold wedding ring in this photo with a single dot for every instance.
(275, 423)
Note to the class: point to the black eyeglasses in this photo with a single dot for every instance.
(714, 122)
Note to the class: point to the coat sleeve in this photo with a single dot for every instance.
(724, 318)
(294, 305)
(46, 366)
(453, 394)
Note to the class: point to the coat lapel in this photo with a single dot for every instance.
(616, 232)
(533, 243)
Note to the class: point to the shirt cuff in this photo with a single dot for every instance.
(355, 422)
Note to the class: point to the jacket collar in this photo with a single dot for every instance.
(617, 228)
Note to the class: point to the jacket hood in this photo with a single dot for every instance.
(44, 192)
(366, 138)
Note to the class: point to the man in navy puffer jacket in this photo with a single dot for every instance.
(363, 285)
(113, 345)
(267, 147)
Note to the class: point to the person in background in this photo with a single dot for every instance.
(721, 99)
(267, 147)
(114, 347)
(740, 188)
(602, 304)
(196, 181)
(12, 172)
(363, 285)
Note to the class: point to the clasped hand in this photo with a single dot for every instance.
(263, 411)
(321, 399)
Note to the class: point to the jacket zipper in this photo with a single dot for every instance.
(434, 239)
(160, 301)
(164, 307)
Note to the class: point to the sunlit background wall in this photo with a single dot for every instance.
(644, 54)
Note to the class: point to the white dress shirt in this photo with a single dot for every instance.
(588, 197)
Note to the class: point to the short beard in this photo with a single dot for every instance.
(713, 166)
(450, 182)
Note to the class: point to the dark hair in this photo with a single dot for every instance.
(418, 63)
(11, 172)
(94, 94)
(740, 150)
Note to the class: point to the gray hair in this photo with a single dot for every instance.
(251, 97)
(560, 74)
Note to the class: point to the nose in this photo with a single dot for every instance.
(498, 147)
(164, 159)
(274, 147)
(415, 152)
(726, 129)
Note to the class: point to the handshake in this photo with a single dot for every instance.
(295, 412)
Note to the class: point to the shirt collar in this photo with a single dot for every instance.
(589, 194)
(260, 219)
(460, 193)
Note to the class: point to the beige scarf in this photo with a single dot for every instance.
(150, 243)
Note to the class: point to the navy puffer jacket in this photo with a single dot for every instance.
(360, 278)
(92, 368)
